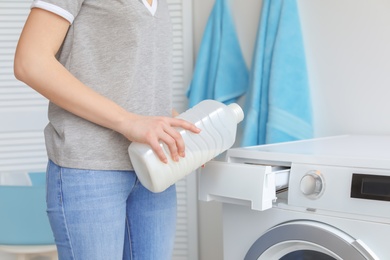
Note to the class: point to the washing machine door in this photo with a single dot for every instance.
(308, 240)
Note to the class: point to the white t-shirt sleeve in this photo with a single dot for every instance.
(66, 9)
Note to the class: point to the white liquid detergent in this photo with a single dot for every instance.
(218, 124)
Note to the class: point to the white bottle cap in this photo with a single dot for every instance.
(237, 110)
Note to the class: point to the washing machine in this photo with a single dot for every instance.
(324, 198)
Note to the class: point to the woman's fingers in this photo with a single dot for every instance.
(179, 142)
(156, 147)
(185, 125)
(173, 139)
(154, 130)
(175, 143)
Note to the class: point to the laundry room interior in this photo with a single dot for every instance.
(346, 64)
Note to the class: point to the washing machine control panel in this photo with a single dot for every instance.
(340, 189)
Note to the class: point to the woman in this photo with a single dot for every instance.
(105, 66)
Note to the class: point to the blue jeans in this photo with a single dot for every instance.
(108, 215)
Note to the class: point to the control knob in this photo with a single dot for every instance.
(312, 184)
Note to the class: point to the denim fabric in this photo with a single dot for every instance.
(108, 215)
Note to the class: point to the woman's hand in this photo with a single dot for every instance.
(153, 130)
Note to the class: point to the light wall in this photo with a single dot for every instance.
(348, 54)
(347, 45)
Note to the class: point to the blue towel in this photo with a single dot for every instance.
(278, 103)
(220, 72)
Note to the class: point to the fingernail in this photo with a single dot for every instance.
(182, 154)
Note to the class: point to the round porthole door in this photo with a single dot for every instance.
(309, 240)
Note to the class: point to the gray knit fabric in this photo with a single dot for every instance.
(120, 50)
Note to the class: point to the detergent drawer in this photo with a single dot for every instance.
(243, 184)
